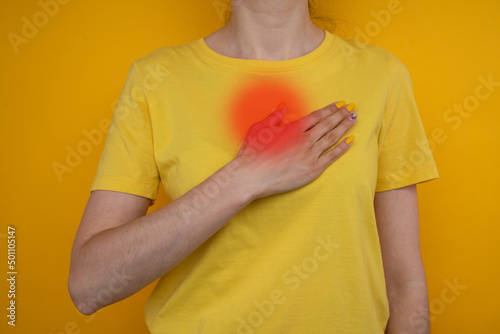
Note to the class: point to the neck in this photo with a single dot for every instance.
(267, 30)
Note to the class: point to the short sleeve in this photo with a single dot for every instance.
(127, 163)
(405, 156)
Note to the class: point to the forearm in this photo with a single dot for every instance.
(118, 262)
(409, 308)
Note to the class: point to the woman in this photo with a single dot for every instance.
(285, 233)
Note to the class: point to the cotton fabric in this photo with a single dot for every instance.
(305, 261)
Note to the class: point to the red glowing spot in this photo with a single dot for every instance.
(256, 99)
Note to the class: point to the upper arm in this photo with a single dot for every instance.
(397, 223)
(105, 210)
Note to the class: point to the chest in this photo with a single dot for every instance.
(194, 136)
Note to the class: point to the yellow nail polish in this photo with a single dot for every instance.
(340, 104)
(349, 139)
(282, 104)
(351, 106)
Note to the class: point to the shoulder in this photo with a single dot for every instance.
(371, 57)
(163, 58)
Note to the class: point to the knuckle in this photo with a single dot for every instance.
(255, 126)
(331, 136)
(315, 167)
(336, 152)
(310, 137)
(294, 126)
(327, 123)
(317, 116)
(332, 107)
(344, 112)
(346, 125)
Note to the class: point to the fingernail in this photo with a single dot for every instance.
(340, 104)
(351, 106)
(282, 104)
(353, 116)
(349, 139)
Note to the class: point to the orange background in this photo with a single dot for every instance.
(65, 79)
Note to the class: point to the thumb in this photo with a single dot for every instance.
(277, 116)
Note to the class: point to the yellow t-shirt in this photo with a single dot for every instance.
(305, 261)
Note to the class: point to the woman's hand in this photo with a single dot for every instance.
(280, 157)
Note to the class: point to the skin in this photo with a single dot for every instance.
(396, 212)
(118, 242)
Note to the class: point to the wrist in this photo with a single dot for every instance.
(245, 187)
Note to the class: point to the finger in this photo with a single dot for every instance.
(276, 116)
(333, 135)
(332, 155)
(242, 148)
(330, 122)
(313, 118)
